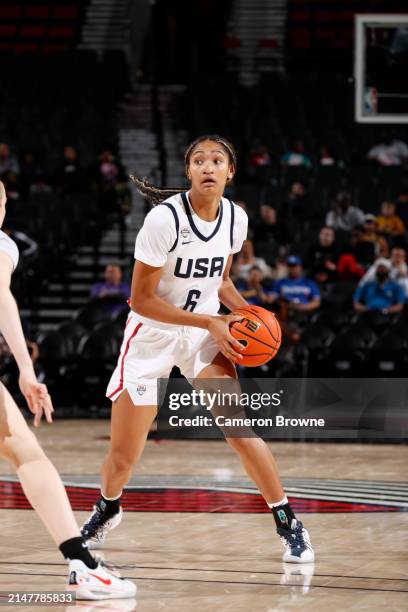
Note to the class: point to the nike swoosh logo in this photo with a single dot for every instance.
(188, 242)
(107, 582)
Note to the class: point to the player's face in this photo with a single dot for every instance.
(209, 168)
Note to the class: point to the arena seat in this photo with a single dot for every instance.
(91, 315)
(121, 317)
(72, 331)
(347, 353)
(97, 356)
(389, 355)
(335, 319)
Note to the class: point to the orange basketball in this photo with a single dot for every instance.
(259, 333)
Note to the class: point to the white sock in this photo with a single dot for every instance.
(282, 502)
(111, 498)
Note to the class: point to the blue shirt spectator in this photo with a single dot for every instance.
(386, 296)
(300, 292)
(256, 289)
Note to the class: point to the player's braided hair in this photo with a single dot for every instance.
(155, 195)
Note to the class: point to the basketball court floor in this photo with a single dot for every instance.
(197, 537)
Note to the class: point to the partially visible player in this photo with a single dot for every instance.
(183, 258)
(18, 445)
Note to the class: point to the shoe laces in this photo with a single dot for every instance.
(95, 523)
(296, 537)
(109, 567)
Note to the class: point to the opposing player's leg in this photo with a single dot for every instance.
(130, 426)
(46, 493)
(261, 467)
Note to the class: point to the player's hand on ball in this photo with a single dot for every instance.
(37, 398)
(220, 331)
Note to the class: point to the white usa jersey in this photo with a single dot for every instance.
(192, 252)
(7, 245)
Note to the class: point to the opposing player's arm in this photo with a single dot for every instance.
(35, 393)
(228, 294)
(147, 303)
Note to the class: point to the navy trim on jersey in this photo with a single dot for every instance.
(232, 223)
(177, 222)
(192, 224)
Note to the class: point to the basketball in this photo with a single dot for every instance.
(259, 333)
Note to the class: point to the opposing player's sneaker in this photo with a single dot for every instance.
(100, 583)
(94, 530)
(296, 542)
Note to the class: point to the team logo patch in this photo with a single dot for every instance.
(141, 389)
(185, 232)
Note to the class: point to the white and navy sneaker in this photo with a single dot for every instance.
(95, 529)
(100, 583)
(296, 542)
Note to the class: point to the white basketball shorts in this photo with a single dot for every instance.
(149, 353)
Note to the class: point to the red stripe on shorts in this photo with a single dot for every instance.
(122, 365)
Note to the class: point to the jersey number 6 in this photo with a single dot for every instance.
(192, 300)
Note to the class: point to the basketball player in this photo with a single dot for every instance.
(183, 257)
(18, 445)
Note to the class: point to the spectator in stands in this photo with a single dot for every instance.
(70, 176)
(344, 216)
(267, 230)
(109, 169)
(256, 289)
(321, 258)
(111, 294)
(8, 163)
(402, 207)
(259, 156)
(297, 204)
(30, 170)
(388, 222)
(389, 152)
(9, 172)
(398, 270)
(325, 157)
(113, 193)
(355, 257)
(381, 294)
(246, 260)
(370, 234)
(300, 293)
(296, 156)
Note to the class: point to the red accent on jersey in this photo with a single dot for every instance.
(122, 365)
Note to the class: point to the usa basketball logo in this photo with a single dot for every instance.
(141, 389)
(185, 232)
